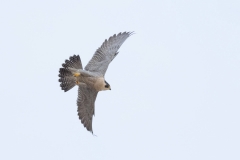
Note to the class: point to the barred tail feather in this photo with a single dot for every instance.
(67, 80)
(73, 62)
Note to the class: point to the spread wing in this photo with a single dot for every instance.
(85, 103)
(106, 53)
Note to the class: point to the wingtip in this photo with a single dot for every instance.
(131, 33)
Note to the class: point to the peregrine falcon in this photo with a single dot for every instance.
(90, 80)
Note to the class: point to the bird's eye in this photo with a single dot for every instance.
(106, 85)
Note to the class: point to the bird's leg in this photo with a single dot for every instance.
(77, 78)
(77, 82)
(76, 74)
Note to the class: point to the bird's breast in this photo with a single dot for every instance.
(97, 83)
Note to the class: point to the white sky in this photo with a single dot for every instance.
(175, 83)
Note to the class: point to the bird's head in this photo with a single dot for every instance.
(107, 86)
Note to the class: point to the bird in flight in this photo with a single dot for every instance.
(90, 80)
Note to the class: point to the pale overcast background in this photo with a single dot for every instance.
(175, 83)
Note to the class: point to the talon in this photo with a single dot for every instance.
(77, 82)
(76, 74)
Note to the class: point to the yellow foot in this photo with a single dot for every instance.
(77, 82)
(76, 74)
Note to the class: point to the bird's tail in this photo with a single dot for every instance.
(67, 79)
